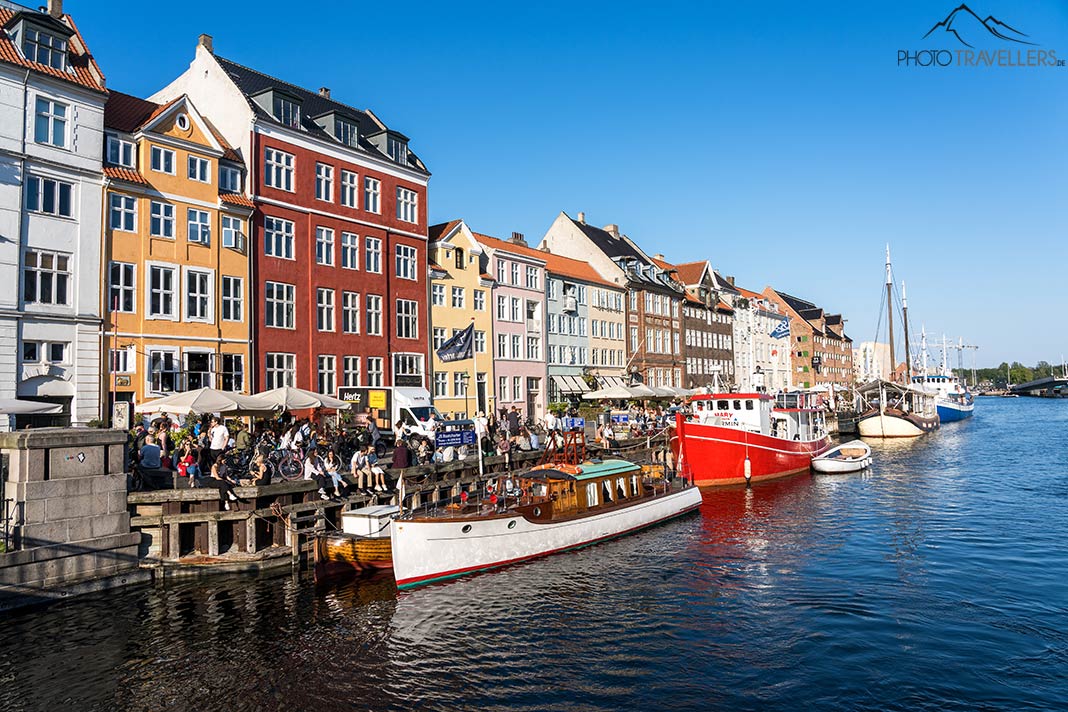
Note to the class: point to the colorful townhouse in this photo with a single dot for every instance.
(460, 293)
(518, 303)
(176, 252)
(821, 352)
(708, 325)
(761, 358)
(51, 197)
(654, 296)
(339, 279)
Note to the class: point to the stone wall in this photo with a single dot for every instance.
(70, 528)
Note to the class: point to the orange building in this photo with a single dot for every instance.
(176, 311)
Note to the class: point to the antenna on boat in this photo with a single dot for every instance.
(905, 326)
(890, 311)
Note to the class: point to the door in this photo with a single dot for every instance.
(481, 393)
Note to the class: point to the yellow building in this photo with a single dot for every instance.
(176, 311)
(459, 293)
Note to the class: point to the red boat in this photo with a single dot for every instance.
(736, 438)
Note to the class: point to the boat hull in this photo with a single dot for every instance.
(435, 549)
(713, 455)
(892, 425)
(951, 412)
(341, 553)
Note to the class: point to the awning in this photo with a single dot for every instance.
(610, 381)
(569, 385)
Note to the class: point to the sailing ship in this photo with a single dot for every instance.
(738, 438)
(553, 507)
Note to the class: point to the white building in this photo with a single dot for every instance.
(51, 141)
(871, 360)
(761, 362)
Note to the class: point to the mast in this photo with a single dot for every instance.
(905, 326)
(923, 348)
(945, 357)
(890, 312)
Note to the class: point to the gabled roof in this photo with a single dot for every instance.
(84, 70)
(437, 232)
(496, 243)
(692, 272)
(723, 306)
(313, 105)
(611, 246)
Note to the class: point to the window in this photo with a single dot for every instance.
(199, 169)
(229, 179)
(502, 271)
(277, 169)
(374, 371)
(278, 238)
(46, 278)
(515, 273)
(162, 160)
(161, 304)
(372, 255)
(459, 384)
(517, 307)
(407, 205)
(123, 213)
(480, 342)
(350, 370)
(458, 259)
(324, 309)
(502, 389)
(437, 295)
(199, 227)
(406, 259)
(346, 132)
(161, 219)
(350, 251)
(349, 189)
(552, 323)
(458, 297)
(517, 387)
(286, 111)
(324, 246)
(407, 319)
(553, 286)
(397, 150)
(122, 360)
(163, 370)
(44, 48)
(233, 372)
(350, 312)
(120, 152)
(371, 194)
(327, 374)
(233, 298)
(516, 347)
(50, 124)
(480, 300)
(502, 307)
(49, 196)
(232, 229)
(633, 338)
(198, 299)
(502, 346)
(374, 315)
(533, 348)
(532, 278)
(121, 288)
(280, 302)
(324, 182)
(439, 337)
(281, 370)
(441, 384)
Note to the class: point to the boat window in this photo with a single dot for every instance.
(737, 405)
(634, 484)
(607, 487)
(621, 488)
(466, 529)
(537, 511)
(511, 524)
(591, 494)
(749, 405)
(723, 405)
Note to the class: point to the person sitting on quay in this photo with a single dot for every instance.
(332, 469)
(504, 447)
(425, 452)
(313, 470)
(219, 480)
(150, 455)
(186, 462)
(401, 454)
(370, 478)
(259, 472)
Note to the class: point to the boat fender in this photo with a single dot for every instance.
(748, 470)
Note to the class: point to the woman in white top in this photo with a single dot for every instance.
(332, 469)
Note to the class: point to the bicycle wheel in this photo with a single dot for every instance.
(290, 468)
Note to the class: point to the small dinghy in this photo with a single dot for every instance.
(853, 456)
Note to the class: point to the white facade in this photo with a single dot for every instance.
(51, 196)
(761, 363)
(871, 360)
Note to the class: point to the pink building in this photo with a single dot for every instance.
(518, 304)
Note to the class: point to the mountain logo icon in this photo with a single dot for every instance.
(967, 28)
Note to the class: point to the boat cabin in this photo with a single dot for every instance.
(791, 416)
(896, 398)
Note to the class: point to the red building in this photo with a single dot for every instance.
(338, 243)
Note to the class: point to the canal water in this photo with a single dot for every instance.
(938, 580)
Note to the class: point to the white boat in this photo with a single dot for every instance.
(852, 456)
(894, 410)
(549, 509)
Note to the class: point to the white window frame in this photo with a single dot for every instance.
(124, 208)
(125, 287)
(278, 237)
(350, 189)
(279, 295)
(350, 250)
(374, 314)
(350, 312)
(375, 371)
(280, 369)
(163, 213)
(150, 269)
(324, 246)
(480, 300)
(372, 195)
(198, 226)
(459, 300)
(278, 169)
(437, 295)
(350, 371)
(232, 298)
(208, 296)
(326, 374)
(372, 255)
(406, 260)
(229, 179)
(407, 205)
(123, 151)
(198, 169)
(407, 311)
(37, 189)
(325, 313)
(161, 160)
(324, 182)
(51, 120)
(232, 228)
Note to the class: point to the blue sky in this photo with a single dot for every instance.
(779, 140)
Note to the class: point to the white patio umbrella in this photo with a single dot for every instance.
(610, 393)
(290, 398)
(664, 391)
(14, 406)
(640, 390)
(205, 400)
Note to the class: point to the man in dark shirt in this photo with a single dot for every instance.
(513, 421)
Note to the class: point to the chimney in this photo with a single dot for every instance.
(55, 8)
(659, 256)
(730, 280)
(205, 42)
(518, 239)
(324, 92)
(582, 217)
(612, 229)
(544, 247)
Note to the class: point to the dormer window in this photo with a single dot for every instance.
(286, 111)
(346, 132)
(44, 48)
(397, 150)
(120, 152)
(229, 179)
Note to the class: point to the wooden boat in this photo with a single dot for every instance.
(361, 545)
(737, 438)
(554, 507)
(895, 410)
(853, 456)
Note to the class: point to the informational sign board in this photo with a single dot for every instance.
(621, 417)
(369, 401)
(454, 438)
(573, 423)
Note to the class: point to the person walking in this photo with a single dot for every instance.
(219, 439)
